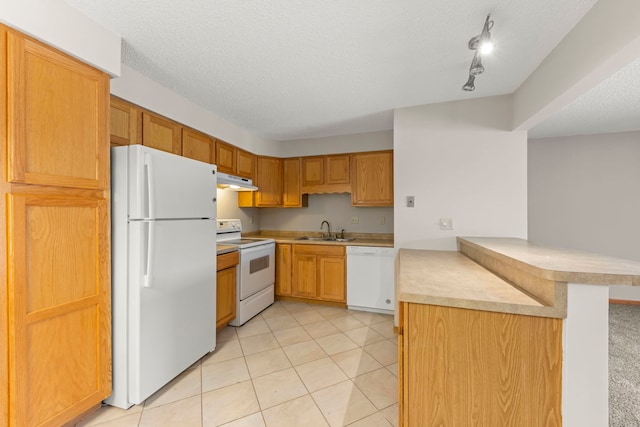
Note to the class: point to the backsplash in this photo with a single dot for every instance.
(228, 209)
(335, 208)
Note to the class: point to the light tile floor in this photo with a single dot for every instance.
(292, 365)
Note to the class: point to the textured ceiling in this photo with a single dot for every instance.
(307, 68)
(612, 106)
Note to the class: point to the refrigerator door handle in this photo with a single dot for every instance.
(148, 163)
(149, 262)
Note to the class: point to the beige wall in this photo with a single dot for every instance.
(584, 193)
(460, 161)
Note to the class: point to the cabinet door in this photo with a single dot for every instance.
(304, 277)
(283, 269)
(226, 157)
(291, 192)
(312, 171)
(160, 133)
(57, 110)
(225, 296)
(198, 146)
(332, 279)
(337, 169)
(372, 183)
(246, 164)
(59, 318)
(269, 181)
(123, 122)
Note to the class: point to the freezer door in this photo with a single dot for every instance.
(164, 185)
(172, 300)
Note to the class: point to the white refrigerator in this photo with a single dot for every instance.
(163, 268)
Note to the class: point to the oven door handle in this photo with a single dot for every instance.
(268, 248)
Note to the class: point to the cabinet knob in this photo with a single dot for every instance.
(388, 301)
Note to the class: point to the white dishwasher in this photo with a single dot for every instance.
(370, 278)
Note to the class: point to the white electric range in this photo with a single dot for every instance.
(255, 281)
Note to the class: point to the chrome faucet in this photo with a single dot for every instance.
(328, 228)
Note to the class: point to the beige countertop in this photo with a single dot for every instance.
(360, 239)
(505, 275)
(224, 249)
(451, 279)
(562, 265)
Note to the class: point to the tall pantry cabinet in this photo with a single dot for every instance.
(55, 309)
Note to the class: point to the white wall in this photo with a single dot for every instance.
(584, 193)
(59, 25)
(141, 90)
(370, 141)
(460, 161)
(335, 208)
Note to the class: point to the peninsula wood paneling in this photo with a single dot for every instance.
(477, 368)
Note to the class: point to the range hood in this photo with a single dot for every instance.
(235, 183)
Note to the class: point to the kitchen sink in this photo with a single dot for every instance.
(325, 239)
(315, 239)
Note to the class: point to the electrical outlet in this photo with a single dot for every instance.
(446, 223)
(411, 201)
(382, 220)
(355, 220)
(251, 219)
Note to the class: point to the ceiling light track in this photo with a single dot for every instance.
(482, 45)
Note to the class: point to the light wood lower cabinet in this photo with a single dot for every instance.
(226, 288)
(461, 367)
(60, 345)
(319, 272)
(283, 269)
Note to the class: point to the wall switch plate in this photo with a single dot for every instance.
(355, 220)
(446, 223)
(411, 201)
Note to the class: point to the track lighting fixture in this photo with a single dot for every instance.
(482, 45)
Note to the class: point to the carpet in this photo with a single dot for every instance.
(624, 365)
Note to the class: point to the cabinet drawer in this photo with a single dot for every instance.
(330, 250)
(227, 260)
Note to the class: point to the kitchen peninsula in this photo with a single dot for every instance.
(504, 332)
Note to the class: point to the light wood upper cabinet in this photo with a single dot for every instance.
(245, 164)
(197, 145)
(337, 169)
(312, 171)
(291, 177)
(283, 269)
(226, 157)
(319, 272)
(123, 122)
(57, 110)
(161, 133)
(326, 174)
(269, 182)
(372, 179)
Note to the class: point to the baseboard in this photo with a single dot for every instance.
(624, 301)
